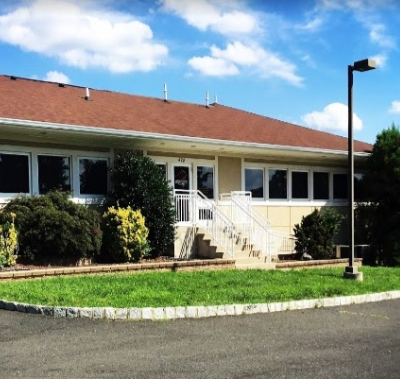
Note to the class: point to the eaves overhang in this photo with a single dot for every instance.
(149, 137)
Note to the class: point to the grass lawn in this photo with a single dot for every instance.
(159, 289)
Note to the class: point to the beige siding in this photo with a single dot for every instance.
(283, 218)
(229, 172)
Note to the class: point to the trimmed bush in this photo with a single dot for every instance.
(124, 235)
(315, 233)
(8, 241)
(140, 184)
(53, 229)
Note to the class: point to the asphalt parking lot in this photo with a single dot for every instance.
(357, 341)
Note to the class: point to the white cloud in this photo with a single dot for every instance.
(378, 35)
(312, 25)
(213, 66)
(395, 107)
(353, 4)
(237, 55)
(334, 117)
(57, 77)
(82, 37)
(224, 17)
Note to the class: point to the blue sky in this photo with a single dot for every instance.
(284, 59)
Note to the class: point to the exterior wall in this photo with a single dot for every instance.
(229, 174)
(284, 218)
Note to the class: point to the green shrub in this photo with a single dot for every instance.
(124, 235)
(315, 233)
(54, 229)
(8, 241)
(140, 184)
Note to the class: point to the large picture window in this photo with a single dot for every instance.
(299, 185)
(277, 184)
(321, 185)
(205, 180)
(14, 173)
(254, 182)
(54, 173)
(340, 186)
(93, 176)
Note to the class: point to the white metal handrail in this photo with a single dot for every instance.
(255, 226)
(193, 208)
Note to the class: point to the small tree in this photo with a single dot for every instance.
(315, 233)
(140, 184)
(383, 208)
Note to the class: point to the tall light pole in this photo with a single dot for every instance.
(351, 271)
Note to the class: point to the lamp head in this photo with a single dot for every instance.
(364, 65)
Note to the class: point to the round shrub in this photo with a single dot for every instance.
(53, 229)
(124, 235)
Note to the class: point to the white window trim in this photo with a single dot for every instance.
(289, 169)
(192, 163)
(35, 168)
(77, 178)
(5, 197)
(74, 155)
(265, 188)
(290, 194)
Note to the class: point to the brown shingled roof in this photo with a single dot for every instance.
(34, 100)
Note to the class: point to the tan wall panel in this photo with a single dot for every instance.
(296, 213)
(279, 216)
(230, 174)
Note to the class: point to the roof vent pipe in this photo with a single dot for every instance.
(207, 99)
(215, 100)
(165, 92)
(87, 96)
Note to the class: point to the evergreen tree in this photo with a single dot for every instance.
(140, 184)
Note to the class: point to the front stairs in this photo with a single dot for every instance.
(245, 255)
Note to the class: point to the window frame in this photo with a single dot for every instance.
(264, 187)
(56, 156)
(90, 196)
(288, 184)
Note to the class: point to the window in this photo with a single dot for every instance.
(254, 182)
(14, 173)
(277, 184)
(54, 173)
(93, 176)
(339, 186)
(299, 185)
(205, 180)
(321, 185)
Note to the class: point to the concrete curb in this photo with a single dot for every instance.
(172, 313)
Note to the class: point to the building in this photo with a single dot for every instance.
(65, 136)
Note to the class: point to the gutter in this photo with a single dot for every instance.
(91, 130)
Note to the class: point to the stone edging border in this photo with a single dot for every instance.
(171, 313)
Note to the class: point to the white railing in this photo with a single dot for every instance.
(192, 208)
(254, 227)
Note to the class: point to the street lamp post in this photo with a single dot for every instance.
(351, 271)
